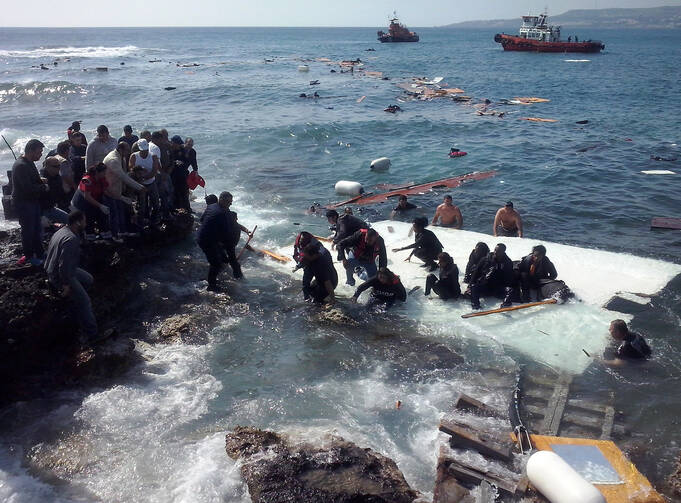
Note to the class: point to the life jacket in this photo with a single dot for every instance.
(360, 248)
(194, 180)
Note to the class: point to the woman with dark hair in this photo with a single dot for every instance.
(426, 245)
(88, 199)
(386, 288)
(447, 286)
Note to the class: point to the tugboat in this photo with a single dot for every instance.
(537, 36)
(397, 32)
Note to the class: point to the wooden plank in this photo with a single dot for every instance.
(465, 402)
(471, 475)
(461, 438)
(447, 488)
(507, 309)
(556, 406)
(608, 423)
(666, 223)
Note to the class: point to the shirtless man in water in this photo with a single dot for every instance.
(507, 222)
(448, 214)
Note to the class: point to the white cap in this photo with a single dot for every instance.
(143, 144)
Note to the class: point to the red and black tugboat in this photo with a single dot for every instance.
(537, 36)
(397, 32)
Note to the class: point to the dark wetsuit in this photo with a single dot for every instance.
(492, 278)
(216, 239)
(346, 226)
(76, 155)
(315, 276)
(447, 286)
(533, 274)
(427, 247)
(382, 295)
(634, 347)
(298, 248)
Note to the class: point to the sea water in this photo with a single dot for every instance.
(156, 434)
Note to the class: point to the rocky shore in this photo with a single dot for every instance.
(39, 340)
(277, 469)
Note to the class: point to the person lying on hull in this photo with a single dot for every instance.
(362, 248)
(448, 214)
(386, 288)
(507, 222)
(426, 245)
(344, 226)
(493, 277)
(632, 346)
(447, 285)
(319, 275)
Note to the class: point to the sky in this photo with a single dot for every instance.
(372, 13)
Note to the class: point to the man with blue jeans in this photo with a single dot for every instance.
(366, 245)
(72, 282)
(117, 175)
(55, 193)
(27, 191)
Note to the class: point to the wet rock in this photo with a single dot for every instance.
(277, 470)
(181, 327)
(39, 336)
(674, 480)
(334, 316)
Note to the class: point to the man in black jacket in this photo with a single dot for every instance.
(319, 275)
(365, 246)
(386, 288)
(27, 191)
(344, 226)
(218, 235)
(493, 278)
(535, 269)
(426, 245)
(447, 286)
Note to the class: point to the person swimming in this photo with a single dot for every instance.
(507, 222)
(448, 215)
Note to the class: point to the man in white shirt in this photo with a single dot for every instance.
(144, 166)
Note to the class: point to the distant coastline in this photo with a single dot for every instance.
(644, 18)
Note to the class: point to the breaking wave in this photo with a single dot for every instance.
(70, 52)
(35, 91)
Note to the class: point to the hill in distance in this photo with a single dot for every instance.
(652, 17)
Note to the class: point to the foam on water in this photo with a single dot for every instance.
(553, 335)
(70, 52)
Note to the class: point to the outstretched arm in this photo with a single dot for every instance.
(519, 224)
(436, 216)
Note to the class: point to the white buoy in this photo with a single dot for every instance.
(348, 188)
(380, 164)
(303, 68)
(558, 481)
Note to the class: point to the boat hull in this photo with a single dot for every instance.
(513, 43)
(389, 39)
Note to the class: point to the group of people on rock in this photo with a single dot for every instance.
(363, 253)
(121, 185)
(105, 188)
(507, 221)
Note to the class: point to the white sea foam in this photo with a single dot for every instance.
(577, 60)
(70, 52)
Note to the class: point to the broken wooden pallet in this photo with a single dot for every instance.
(463, 437)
